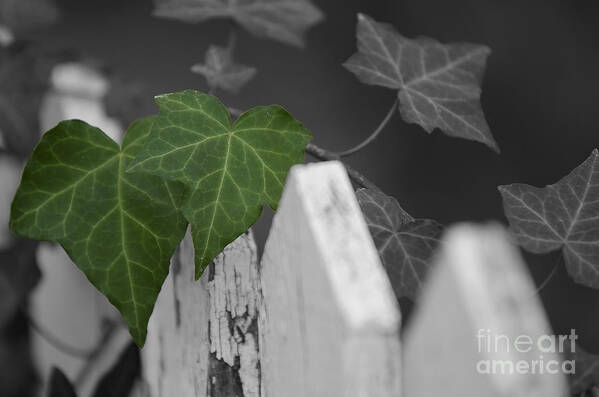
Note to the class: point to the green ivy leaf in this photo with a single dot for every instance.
(120, 229)
(405, 244)
(231, 169)
(281, 20)
(221, 72)
(560, 216)
(439, 85)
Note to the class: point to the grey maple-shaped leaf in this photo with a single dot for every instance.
(120, 229)
(439, 84)
(221, 72)
(564, 216)
(586, 365)
(405, 244)
(282, 20)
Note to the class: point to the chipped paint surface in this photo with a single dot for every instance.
(233, 288)
(202, 337)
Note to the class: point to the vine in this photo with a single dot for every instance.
(121, 211)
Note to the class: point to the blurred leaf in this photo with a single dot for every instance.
(221, 72)
(127, 100)
(18, 376)
(439, 85)
(19, 273)
(60, 386)
(282, 20)
(119, 380)
(24, 75)
(586, 374)
(231, 169)
(120, 229)
(563, 216)
(25, 15)
(405, 244)
(10, 175)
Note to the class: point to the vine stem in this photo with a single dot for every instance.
(550, 276)
(326, 155)
(375, 133)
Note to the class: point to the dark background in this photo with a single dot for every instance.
(539, 95)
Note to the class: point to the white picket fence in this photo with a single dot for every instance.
(317, 315)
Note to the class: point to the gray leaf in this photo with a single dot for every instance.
(282, 20)
(563, 215)
(439, 85)
(405, 244)
(221, 72)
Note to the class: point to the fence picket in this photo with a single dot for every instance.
(202, 337)
(329, 321)
(479, 282)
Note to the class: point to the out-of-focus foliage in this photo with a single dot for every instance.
(283, 20)
(25, 15)
(60, 385)
(221, 72)
(24, 74)
(405, 245)
(118, 381)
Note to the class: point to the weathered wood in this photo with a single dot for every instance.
(329, 320)
(479, 283)
(202, 336)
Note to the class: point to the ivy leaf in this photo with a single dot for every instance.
(405, 244)
(564, 216)
(231, 170)
(586, 375)
(120, 229)
(439, 85)
(221, 72)
(281, 20)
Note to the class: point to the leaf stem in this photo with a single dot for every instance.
(375, 133)
(232, 43)
(550, 275)
(325, 155)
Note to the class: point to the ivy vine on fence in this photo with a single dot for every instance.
(121, 211)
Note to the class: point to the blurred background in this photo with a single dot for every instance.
(103, 61)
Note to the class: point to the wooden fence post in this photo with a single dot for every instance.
(478, 302)
(203, 335)
(329, 320)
